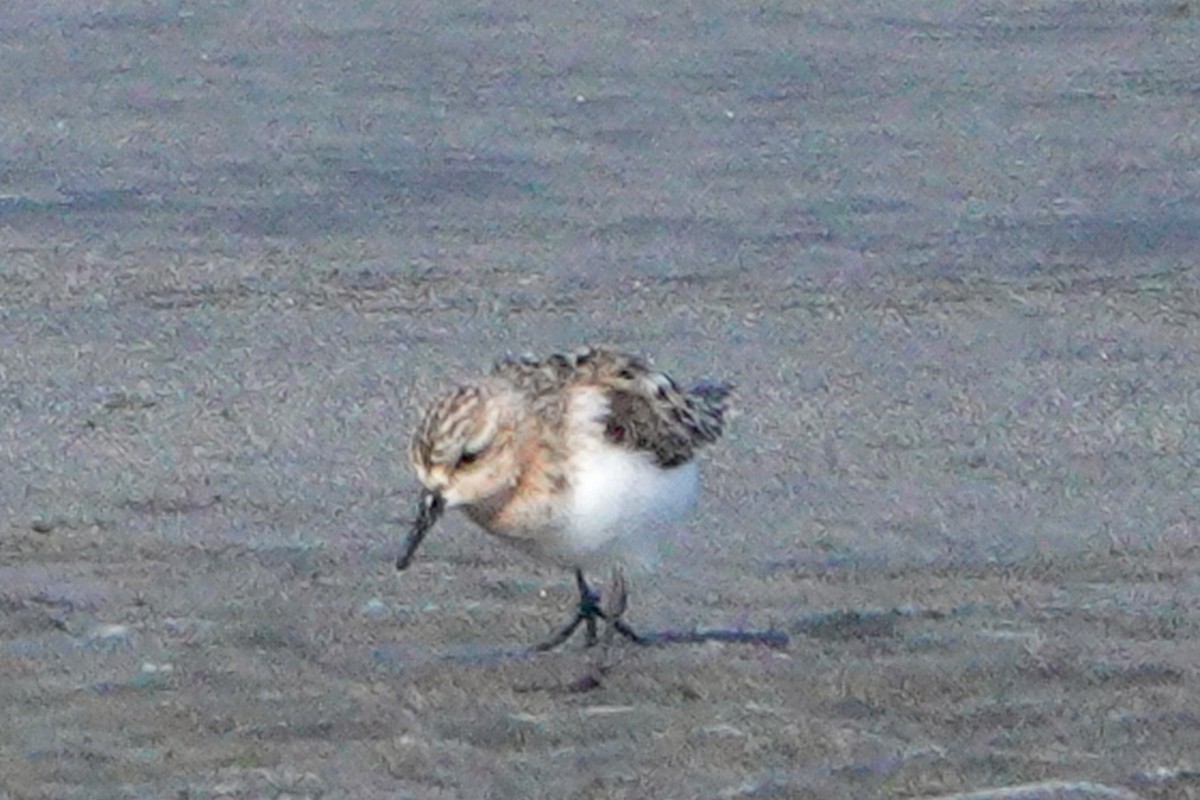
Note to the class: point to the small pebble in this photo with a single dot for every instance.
(111, 637)
(152, 669)
(375, 609)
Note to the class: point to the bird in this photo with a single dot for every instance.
(579, 459)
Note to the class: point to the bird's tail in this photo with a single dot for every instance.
(709, 402)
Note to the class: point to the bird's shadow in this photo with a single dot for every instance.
(403, 657)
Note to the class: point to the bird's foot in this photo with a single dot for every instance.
(589, 611)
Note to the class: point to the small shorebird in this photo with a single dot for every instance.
(578, 459)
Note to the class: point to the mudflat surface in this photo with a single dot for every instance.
(946, 251)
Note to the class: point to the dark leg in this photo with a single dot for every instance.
(619, 597)
(588, 612)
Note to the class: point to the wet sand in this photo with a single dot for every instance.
(945, 253)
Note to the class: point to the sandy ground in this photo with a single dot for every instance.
(946, 251)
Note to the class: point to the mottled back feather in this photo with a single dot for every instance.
(647, 410)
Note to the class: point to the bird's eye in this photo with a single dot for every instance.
(469, 457)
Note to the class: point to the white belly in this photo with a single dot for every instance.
(623, 505)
